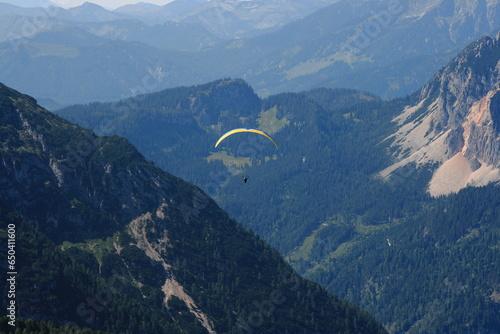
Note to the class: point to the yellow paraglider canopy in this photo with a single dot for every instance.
(227, 134)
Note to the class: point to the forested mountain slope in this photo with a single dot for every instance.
(113, 243)
(328, 139)
(320, 198)
(434, 272)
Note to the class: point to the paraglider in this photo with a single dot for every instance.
(227, 134)
(260, 132)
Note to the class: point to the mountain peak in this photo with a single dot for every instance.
(90, 12)
(88, 4)
(454, 123)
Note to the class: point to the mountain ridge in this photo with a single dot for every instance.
(370, 46)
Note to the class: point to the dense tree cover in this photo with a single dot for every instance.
(440, 272)
(52, 284)
(184, 121)
(250, 288)
(103, 237)
(318, 200)
(30, 326)
(329, 151)
(330, 147)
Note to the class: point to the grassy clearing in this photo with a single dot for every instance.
(98, 247)
(269, 122)
(234, 165)
(306, 68)
(304, 250)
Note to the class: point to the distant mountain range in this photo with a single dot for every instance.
(388, 48)
(239, 19)
(352, 197)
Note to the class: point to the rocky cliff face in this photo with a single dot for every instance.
(455, 122)
(481, 131)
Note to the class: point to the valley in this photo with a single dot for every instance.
(333, 193)
(375, 211)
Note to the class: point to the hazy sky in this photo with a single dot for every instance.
(107, 3)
